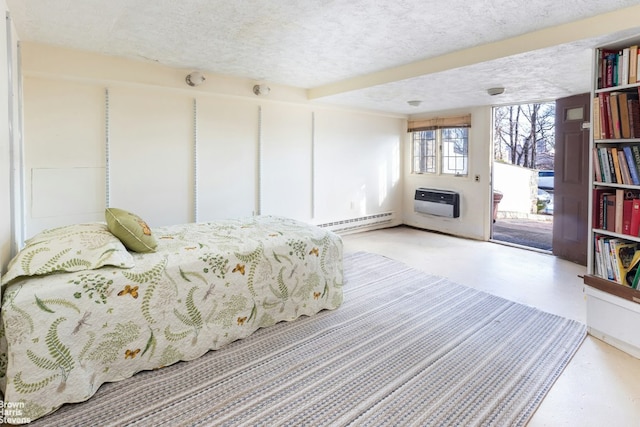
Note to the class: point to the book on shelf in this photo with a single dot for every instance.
(617, 259)
(613, 152)
(609, 63)
(624, 67)
(615, 114)
(627, 211)
(631, 165)
(613, 259)
(597, 125)
(597, 171)
(623, 253)
(634, 226)
(636, 156)
(598, 207)
(633, 274)
(633, 106)
(609, 220)
(598, 257)
(618, 218)
(604, 116)
(618, 67)
(625, 173)
(617, 164)
(607, 112)
(638, 67)
(616, 210)
(604, 164)
(610, 167)
(631, 213)
(633, 64)
(632, 277)
(605, 253)
(623, 111)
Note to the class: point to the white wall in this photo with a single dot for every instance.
(475, 196)
(286, 166)
(278, 155)
(361, 165)
(64, 148)
(227, 184)
(151, 146)
(519, 187)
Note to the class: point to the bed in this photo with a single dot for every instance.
(81, 308)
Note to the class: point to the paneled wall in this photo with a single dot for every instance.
(64, 152)
(286, 168)
(97, 132)
(227, 155)
(150, 154)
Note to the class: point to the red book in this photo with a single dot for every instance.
(634, 228)
(626, 216)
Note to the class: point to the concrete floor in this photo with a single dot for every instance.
(534, 232)
(601, 385)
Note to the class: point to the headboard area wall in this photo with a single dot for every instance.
(132, 134)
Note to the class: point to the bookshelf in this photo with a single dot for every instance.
(612, 281)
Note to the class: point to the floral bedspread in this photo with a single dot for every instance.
(65, 334)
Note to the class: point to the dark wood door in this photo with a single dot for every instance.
(571, 183)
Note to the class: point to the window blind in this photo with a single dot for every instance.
(439, 123)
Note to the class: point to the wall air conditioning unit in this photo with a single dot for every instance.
(437, 202)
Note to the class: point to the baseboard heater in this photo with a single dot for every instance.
(362, 222)
(437, 202)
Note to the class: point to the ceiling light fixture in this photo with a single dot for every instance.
(414, 103)
(195, 78)
(261, 89)
(495, 91)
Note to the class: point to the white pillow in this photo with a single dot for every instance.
(70, 248)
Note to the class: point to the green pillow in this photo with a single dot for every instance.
(132, 231)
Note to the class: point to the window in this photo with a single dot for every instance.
(454, 143)
(441, 146)
(424, 151)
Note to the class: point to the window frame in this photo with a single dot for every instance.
(433, 149)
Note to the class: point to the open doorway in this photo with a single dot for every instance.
(523, 175)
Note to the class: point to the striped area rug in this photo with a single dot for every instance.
(405, 348)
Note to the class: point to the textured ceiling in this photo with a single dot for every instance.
(345, 52)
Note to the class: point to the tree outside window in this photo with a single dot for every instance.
(524, 135)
